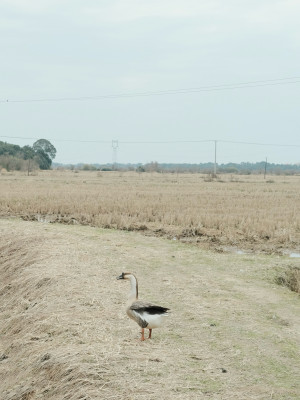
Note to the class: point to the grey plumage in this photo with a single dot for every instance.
(139, 308)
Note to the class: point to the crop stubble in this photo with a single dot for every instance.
(244, 211)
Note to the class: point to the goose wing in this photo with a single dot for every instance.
(143, 307)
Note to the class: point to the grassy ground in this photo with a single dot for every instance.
(233, 333)
(248, 212)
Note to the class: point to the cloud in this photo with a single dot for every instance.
(27, 7)
(132, 10)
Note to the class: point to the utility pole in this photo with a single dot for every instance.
(265, 168)
(115, 145)
(215, 166)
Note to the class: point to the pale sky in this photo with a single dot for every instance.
(71, 49)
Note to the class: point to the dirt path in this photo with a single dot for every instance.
(233, 333)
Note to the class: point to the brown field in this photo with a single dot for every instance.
(246, 212)
(233, 333)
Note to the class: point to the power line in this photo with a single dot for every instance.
(165, 141)
(208, 140)
(233, 86)
(58, 140)
(156, 141)
(260, 144)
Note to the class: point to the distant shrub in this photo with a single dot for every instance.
(11, 163)
(89, 167)
(290, 279)
(229, 170)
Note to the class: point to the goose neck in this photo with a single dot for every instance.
(133, 294)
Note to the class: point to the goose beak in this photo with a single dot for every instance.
(120, 277)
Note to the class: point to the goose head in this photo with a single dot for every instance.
(133, 295)
(124, 275)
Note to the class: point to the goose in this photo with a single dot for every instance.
(146, 315)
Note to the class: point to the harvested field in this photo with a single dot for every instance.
(245, 212)
(233, 332)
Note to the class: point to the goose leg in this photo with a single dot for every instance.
(143, 337)
(150, 331)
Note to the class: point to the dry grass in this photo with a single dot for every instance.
(290, 278)
(247, 211)
(64, 333)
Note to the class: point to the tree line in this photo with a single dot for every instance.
(243, 168)
(39, 155)
(42, 153)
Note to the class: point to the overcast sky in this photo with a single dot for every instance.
(71, 49)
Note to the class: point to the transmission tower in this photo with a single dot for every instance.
(215, 164)
(115, 145)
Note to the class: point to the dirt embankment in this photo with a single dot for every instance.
(37, 359)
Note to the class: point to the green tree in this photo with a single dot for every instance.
(28, 154)
(43, 160)
(45, 153)
(9, 149)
